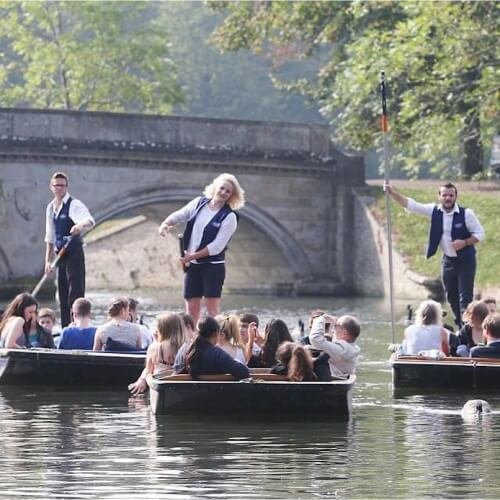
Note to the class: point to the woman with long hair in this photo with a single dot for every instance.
(275, 333)
(16, 321)
(211, 221)
(471, 333)
(169, 336)
(427, 333)
(229, 337)
(118, 334)
(205, 358)
(300, 367)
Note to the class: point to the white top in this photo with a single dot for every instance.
(205, 215)
(120, 331)
(235, 352)
(421, 338)
(343, 355)
(78, 213)
(146, 336)
(471, 221)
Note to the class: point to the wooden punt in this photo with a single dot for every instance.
(52, 367)
(262, 393)
(453, 373)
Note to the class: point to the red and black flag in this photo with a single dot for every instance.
(384, 122)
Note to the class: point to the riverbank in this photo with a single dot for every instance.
(410, 231)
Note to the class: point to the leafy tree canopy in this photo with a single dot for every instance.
(440, 58)
(111, 56)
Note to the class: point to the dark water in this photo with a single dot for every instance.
(58, 444)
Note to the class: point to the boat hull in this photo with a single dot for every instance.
(49, 367)
(450, 373)
(334, 398)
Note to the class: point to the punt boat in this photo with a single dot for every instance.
(418, 372)
(263, 392)
(78, 369)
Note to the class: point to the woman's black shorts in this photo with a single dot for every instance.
(204, 280)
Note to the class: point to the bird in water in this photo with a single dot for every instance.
(476, 408)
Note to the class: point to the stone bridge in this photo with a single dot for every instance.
(296, 230)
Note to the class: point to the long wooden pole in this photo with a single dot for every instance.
(53, 265)
(385, 131)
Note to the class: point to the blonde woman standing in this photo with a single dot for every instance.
(211, 221)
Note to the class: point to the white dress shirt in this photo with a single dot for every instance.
(78, 213)
(471, 221)
(204, 216)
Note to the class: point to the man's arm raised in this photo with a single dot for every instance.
(397, 197)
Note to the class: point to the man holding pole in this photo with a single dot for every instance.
(457, 230)
(66, 219)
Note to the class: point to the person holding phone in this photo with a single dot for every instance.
(342, 349)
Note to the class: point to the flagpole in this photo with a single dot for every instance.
(385, 131)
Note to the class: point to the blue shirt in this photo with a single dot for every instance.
(74, 337)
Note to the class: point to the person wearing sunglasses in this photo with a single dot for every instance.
(66, 218)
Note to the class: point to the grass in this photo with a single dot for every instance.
(410, 232)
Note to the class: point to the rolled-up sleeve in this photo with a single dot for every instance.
(415, 207)
(49, 226)
(473, 225)
(78, 212)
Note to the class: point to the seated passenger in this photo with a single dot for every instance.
(249, 321)
(284, 354)
(16, 321)
(471, 333)
(147, 336)
(342, 349)
(205, 358)
(276, 332)
(81, 334)
(37, 335)
(229, 337)
(427, 333)
(491, 327)
(47, 319)
(190, 333)
(491, 303)
(170, 335)
(118, 334)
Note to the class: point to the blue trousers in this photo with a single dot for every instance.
(457, 274)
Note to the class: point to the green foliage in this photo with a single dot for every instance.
(411, 232)
(441, 60)
(228, 85)
(110, 56)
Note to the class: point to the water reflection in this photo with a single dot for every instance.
(64, 444)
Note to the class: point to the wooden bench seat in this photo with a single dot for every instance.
(184, 377)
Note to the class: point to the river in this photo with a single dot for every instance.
(58, 444)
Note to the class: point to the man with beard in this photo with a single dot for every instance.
(456, 230)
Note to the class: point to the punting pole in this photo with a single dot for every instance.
(53, 265)
(385, 131)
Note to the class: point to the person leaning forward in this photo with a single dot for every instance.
(456, 230)
(65, 217)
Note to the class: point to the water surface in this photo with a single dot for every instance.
(63, 444)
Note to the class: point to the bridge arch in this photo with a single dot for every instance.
(268, 225)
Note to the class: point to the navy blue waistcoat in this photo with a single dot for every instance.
(210, 231)
(459, 231)
(63, 223)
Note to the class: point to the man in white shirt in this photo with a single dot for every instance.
(456, 230)
(66, 218)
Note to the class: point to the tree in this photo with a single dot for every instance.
(110, 56)
(441, 59)
(228, 85)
